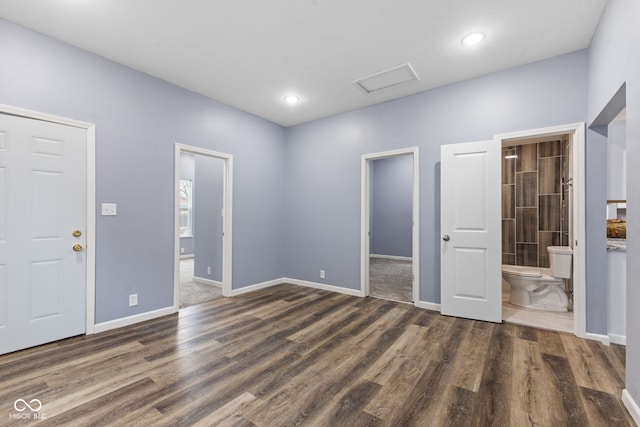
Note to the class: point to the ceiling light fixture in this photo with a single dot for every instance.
(291, 99)
(511, 156)
(473, 39)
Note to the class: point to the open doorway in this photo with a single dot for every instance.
(543, 223)
(617, 228)
(537, 181)
(390, 231)
(202, 226)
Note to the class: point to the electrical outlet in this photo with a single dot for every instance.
(208, 271)
(322, 274)
(133, 300)
(109, 209)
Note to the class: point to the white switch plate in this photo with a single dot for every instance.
(109, 209)
(133, 300)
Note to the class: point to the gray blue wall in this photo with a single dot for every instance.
(614, 61)
(297, 191)
(391, 206)
(138, 120)
(207, 212)
(322, 180)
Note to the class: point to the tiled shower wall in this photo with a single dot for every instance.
(534, 208)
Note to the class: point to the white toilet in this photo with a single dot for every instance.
(541, 288)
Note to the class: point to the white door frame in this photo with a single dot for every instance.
(90, 274)
(579, 224)
(365, 218)
(227, 219)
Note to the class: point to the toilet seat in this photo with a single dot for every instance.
(524, 271)
(520, 270)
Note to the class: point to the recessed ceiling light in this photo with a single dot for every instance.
(291, 99)
(473, 39)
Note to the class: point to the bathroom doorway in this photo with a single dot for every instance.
(539, 179)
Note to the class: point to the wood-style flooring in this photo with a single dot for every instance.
(296, 356)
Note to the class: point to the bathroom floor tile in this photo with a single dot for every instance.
(554, 321)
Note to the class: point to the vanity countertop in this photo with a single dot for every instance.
(617, 245)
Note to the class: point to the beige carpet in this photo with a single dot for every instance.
(191, 292)
(390, 279)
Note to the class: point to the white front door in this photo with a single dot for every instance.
(43, 172)
(471, 279)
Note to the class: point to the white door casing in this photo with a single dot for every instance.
(471, 231)
(43, 200)
(576, 216)
(365, 218)
(227, 219)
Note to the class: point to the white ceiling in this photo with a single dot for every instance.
(251, 53)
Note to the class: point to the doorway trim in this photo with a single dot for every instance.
(579, 224)
(365, 217)
(227, 218)
(90, 274)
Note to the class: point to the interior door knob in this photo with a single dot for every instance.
(77, 247)
(446, 238)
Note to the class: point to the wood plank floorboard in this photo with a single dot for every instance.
(288, 356)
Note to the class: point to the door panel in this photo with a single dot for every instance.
(471, 284)
(43, 194)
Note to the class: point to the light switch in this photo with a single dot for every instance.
(109, 209)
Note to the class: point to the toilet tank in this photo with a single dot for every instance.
(560, 261)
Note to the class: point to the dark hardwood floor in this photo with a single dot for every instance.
(289, 355)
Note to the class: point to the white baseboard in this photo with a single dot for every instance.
(398, 258)
(604, 339)
(324, 287)
(428, 305)
(631, 406)
(207, 281)
(618, 339)
(256, 287)
(136, 318)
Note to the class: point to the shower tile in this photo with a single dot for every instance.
(549, 212)
(508, 201)
(549, 175)
(527, 254)
(550, 148)
(566, 147)
(509, 259)
(546, 238)
(527, 158)
(508, 236)
(508, 166)
(526, 189)
(526, 225)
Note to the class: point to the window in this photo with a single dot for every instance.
(186, 208)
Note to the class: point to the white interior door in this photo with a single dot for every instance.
(471, 280)
(43, 172)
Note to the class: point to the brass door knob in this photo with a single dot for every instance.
(77, 247)
(76, 233)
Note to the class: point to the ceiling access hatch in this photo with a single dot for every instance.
(396, 76)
